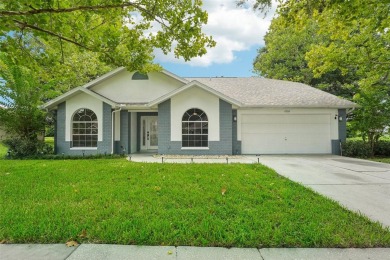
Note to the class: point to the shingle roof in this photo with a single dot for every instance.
(256, 91)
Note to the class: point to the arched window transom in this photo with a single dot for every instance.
(139, 76)
(84, 128)
(195, 128)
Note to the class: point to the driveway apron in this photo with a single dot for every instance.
(360, 185)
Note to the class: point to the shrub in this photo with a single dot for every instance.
(49, 131)
(20, 148)
(358, 148)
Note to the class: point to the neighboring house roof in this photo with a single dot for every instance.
(262, 92)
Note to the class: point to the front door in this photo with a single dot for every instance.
(149, 138)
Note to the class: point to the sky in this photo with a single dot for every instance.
(239, 34)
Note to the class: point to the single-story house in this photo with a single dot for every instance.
(129, 112)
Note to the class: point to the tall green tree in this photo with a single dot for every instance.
(121, 32)
(21, 94)
(77, 69)
(283, 58)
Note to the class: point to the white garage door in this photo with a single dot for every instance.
(285, 134)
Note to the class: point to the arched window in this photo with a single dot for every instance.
(84, 128)
(195, 128)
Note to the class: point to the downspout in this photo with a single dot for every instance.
(112, 128)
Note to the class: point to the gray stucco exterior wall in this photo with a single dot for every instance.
(55, 130)
(105, 146)
(64, 147)
(342, 128)
(164, 127)
(236, 144)
(343, 125)
(222, 147)
(336, 147)
(125, 128)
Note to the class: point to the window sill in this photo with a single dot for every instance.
(195, 148)
(83, 148)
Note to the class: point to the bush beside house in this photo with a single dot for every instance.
(361, 149)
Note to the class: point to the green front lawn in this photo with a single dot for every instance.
(120, 202)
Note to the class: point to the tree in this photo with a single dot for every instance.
(122, 32)
(77, 69)
(283, 58)
(373, 117)
(21, 95)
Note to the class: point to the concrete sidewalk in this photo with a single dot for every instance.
(117, 252)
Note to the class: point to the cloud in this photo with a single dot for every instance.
(234, 29)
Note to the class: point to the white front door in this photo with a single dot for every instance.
(149, 133)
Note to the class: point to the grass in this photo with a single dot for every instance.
(382, 160)
(49, 140)
(359, 138)
(120, 202)
(3, 150)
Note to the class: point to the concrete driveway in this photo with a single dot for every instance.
(360, 185)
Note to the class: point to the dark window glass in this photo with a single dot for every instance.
(194, 128)
(84, 128)
(139, 76)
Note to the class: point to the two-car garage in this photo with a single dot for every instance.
(287, 133)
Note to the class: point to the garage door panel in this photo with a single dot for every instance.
(285, 134)
(288, 119)
(284, 128)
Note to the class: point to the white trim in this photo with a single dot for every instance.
(83, 148)
(194, 83)
(103, 77)
(195, 148)
(170, 74)
(73, 92)
(297, 106)
(142, 110)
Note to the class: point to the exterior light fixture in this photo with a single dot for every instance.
(234, 118)
(340, 118)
